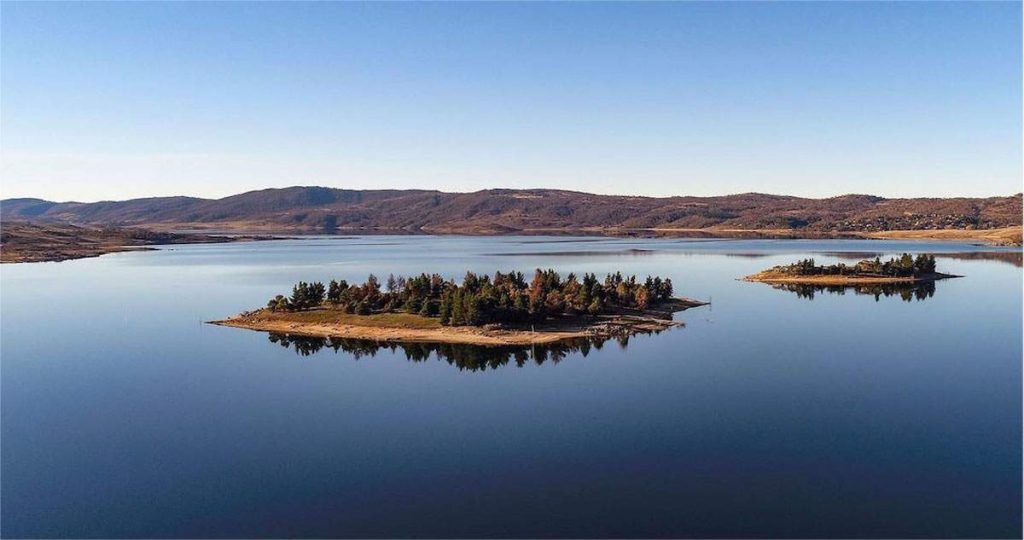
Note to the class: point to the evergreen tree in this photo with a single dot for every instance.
(299, 293)
(520, 307)
(335, 289)
(363, 307)
(445, 310)
(473, 312)
(458, 317)
(315, 296)
(666, 289)
(582, 299)
(427, 309)
(596, 307)
(278, 303)
(507, 298)
(906, 264)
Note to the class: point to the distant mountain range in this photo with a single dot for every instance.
(499, 211)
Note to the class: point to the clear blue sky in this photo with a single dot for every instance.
(120, 100)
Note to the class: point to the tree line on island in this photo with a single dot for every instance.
(902, 266)
(481, 299)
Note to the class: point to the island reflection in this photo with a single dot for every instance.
(465, 357)
(908, 292)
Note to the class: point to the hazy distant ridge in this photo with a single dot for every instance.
(507, 210)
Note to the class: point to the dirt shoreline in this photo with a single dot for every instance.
(427, 330)
(1005, 236)
(779, 277)
(83, 243)
(24, 242)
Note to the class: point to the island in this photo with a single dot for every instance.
(481, 310)
(904, 269)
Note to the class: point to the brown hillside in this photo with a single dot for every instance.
(313, 209)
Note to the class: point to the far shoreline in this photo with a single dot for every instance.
(34, 251)
(996, 237)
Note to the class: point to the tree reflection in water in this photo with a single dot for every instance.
(463, 356)
(905, 291)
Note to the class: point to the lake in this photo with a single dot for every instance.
(771, 413)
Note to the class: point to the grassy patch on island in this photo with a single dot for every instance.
(337, 316)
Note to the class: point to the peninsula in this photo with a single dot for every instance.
(903, 269)
(23, 242)
(503, 310)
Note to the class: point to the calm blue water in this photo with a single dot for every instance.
(769, 414)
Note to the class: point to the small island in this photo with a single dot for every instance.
(503, 310)
(902, 269)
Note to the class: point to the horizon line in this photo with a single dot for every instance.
(313, 186)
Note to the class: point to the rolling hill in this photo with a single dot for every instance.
(498, 211)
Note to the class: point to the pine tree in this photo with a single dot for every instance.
(363, 308)
(426, 310)
(582, 300)
(472, 309)
(666, 289)
(596, 307)
(906, 264)
(316, 294)
(299, 293)
(458, 317)
(278, 303)
(520, 307)
(446, 309)
(335, 289)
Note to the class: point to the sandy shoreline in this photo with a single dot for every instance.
(1006, 236)
(347, 326)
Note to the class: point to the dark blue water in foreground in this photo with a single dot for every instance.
(769, 414)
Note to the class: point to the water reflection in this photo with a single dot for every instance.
(748, 255)
(1015, 258)
(908, 292)
(465, 357)
(853, 255)
(586, 253)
